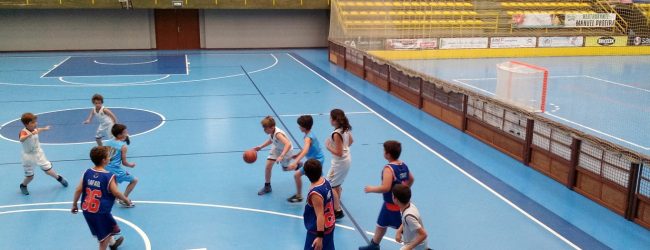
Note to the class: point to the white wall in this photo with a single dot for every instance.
(265, 28)
(76, 29)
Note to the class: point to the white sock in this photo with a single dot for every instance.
(111, 241)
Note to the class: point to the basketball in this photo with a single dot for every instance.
(250, 156)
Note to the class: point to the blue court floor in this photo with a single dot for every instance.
(195, 192)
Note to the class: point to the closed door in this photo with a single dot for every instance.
(177, 29)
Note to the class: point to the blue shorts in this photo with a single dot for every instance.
(124, 177)
(101, 226)
(389, 216)
(328, 241)
(302, 169)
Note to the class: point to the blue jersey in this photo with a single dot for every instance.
(400, 176)
(324, 190)
(115, 165)
(314, 151)
(96, 197)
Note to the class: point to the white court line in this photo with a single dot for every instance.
(447, 161)
(569, 121)
(108, 84)
(319, 114)
(162, 119)
(148, 84)
(193, 204)
(55, 66)
(616, 83)
(121, 64)
(143, 235)
(494, 78)
(187, 65)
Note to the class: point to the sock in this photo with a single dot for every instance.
(60, 178)
(111, 241)
(267, 184)
(372, 242)
(22, 185)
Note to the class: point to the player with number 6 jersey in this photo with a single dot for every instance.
(98, 191)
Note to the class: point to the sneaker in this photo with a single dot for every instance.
(264, 190)
(295, 199)
(126, 205)
(117, 243)
(23, 189)
(371, 246)
(339, 214)
(63, 181)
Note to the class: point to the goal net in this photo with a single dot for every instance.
(522, 84)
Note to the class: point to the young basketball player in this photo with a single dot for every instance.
(98, 192)
(105, 118)
(119, 151)
(280, 151)
(33, 155)
(311, 150)
(411, 232)
(393, 173)
(319, 215)
(339, 145)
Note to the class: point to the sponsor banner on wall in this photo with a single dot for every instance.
(464, 43)
(412, 44)
(560, 41)
(589, 20)
(537, 20)
(640, 41)
(513, 42)
(606, 41)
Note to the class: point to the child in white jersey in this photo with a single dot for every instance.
(339, 145)
(105, 118)
(281, 152)
(32, 152)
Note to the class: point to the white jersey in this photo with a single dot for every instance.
(103, 119)
(275, 142)
(346, 143)
(411, 222)
(31, 145)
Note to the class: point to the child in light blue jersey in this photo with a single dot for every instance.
(311, 150)
(118, 148)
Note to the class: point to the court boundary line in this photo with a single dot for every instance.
(617, 83)
(569, 121)
(162, 122)
(138, 230)
(124, 64)
(109, 84)
(471, 177)
(568, 76)
(194, 204)
(55, 66)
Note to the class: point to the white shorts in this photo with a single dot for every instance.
(339, 170)
(35, 159)
(422, 246)
(104, 132)
(286, 160)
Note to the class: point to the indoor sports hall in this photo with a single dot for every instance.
(524, 123)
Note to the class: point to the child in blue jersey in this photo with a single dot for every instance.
(393, 173)
(319, 215)
(119, 150)
(98, 191)
(311, 150)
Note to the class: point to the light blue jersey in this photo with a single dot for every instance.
(314, 151)
(115, 165)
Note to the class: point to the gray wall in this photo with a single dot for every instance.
(265, 28)
(76, 29)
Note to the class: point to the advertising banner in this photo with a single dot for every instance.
(560, 41)
(606, 41)
(589, 20)
(464, 43)
(412, 44)
(513, 42)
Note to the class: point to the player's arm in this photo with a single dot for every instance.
(410, 180)
(287, 146)
(24, 135)
(90, 116)
(337, 148)
(351, 139)
(420, 233)
(319, 209)
(266, 143)
(124, 161)
(398, 233)
(110, 114)
(116, 191)
(385, 182)
(303, 152)
(77, 195)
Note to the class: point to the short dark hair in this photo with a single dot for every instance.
(118, 129)
(97, 97)
(313, 170)
(306, 121)
(402, 193)
(26, 118)
(393, 148)
(98, 154)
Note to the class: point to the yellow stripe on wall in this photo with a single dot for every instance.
(514, 52)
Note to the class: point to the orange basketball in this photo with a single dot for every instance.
(250, 156)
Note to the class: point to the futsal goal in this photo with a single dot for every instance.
(523, 85)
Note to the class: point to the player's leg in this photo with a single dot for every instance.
(130, 187)
(297, 176)
(46, 166)
(267, 177)
(29, 176)
(99, 135)
(103, 244)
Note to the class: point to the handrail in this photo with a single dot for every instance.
(604, 7)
